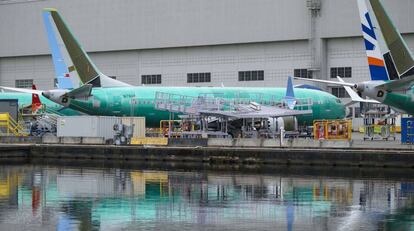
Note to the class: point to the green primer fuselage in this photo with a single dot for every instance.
(139, 101)
(25, 99)
(403, 102)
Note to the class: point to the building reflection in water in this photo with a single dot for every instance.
(97, 199)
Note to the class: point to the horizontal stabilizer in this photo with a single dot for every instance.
(81, 92)
(398, 85)
(355, 98)
(326, 81)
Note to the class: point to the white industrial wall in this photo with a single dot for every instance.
(39, 68)
(348, 52)
(277, 59)
(104, 25)
(130, 38)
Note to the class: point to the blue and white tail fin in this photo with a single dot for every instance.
(376, 62)
(61, 69)
(290, 99)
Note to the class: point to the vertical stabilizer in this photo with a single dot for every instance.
(399, 51)
(375, 59)
(86, 69)
(61, 69)
(289, 88)
(36, 104)
(290, 94)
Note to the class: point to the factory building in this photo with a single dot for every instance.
(246, 43)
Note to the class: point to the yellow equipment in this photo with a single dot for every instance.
(9, 127)
(170, 128)
(158, 141)
(332, 129)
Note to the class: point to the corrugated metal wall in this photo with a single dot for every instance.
(87, 126)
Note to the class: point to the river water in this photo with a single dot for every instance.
(34, 197)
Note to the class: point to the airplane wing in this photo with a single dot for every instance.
(264, 112)
(326, 81)
(22, 90)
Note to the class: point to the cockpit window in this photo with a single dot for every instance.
(338, 100)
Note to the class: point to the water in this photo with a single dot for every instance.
(86, 198)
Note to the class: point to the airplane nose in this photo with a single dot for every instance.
(46, 94)
(347, 111)
(360, 87)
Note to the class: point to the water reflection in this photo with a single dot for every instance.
(67, 198)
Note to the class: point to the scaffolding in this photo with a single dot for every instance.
(379, 122)
(210, 116)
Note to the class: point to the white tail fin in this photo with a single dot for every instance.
(375, 59)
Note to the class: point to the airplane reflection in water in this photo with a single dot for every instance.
(58, 198)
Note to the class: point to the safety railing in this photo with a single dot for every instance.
(10, 127)
(332, 129)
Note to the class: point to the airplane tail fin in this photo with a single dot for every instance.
(289, 89)
(86, 69)
(61, 70)
(399, 53)
(290, 99)
(375, 58)
(36, 103)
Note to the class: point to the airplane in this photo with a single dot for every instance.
(392, 73)
(101, 95)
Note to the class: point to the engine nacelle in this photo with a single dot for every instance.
(289, 123)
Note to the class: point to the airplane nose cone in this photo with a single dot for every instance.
(46, 94)
(347, 111)
(360, 87)
(50, 95)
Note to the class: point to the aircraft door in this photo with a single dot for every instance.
(129, 104)
(116, 104)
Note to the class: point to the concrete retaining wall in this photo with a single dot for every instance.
(20, 140)
(50, 139)
(232, 156)
(19, 152)
(274, 143)
(72, 140)
(187, 142)
(93, 140)
(235, 157)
